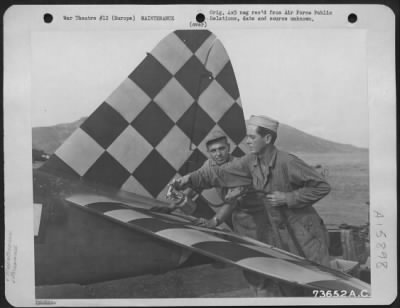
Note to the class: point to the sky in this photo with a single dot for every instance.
(312, 79)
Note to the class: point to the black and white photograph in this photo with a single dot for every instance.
(200, 155)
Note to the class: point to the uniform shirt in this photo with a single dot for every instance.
(274, 170)
(210, 164)
(249, 202)
(189, 207)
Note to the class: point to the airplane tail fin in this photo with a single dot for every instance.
(152, 128)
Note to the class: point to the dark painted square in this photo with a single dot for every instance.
(103, 207)
(196, 123)
(193, 39)
(106, 170)
(150, 75)
(153, 123)
(226, 78)
(154, 173)
(194, 162)
(232, 122)
(231, 251)
(237, 152)
(194, 77)
(57, 166)
(104, 125)
(155, 224)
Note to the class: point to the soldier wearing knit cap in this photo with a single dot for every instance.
(290, 186)
(218, 149)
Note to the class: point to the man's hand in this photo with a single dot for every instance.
(234, 193)
(276, 198)
(208, 223)
(181, 183)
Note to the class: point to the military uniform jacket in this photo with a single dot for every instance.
(276, 170)
(206, 168)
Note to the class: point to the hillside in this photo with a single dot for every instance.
(293, 140)
(290, 139)
(49, 138)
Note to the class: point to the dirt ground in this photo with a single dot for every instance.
(348, 175)
(198, 281)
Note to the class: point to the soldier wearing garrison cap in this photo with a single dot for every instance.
(290, 188)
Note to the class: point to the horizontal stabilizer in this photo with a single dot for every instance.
(227, 247)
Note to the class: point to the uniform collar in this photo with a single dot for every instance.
(269, 155)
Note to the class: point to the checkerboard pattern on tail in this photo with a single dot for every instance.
(152, 128)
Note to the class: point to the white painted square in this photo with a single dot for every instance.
(79, 151)
(188, 237)
(133, 186)
(243, 146)
(175, 147)
(239, 102)
(126, 215)
(284, 270)
(215, 101)
(174, 100)
(172, 53)
(128, 99)
(85, 199)
(130, 149)
(202, 53)
(213, 55)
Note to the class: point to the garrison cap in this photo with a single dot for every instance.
(265, 122)
(215, 135)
